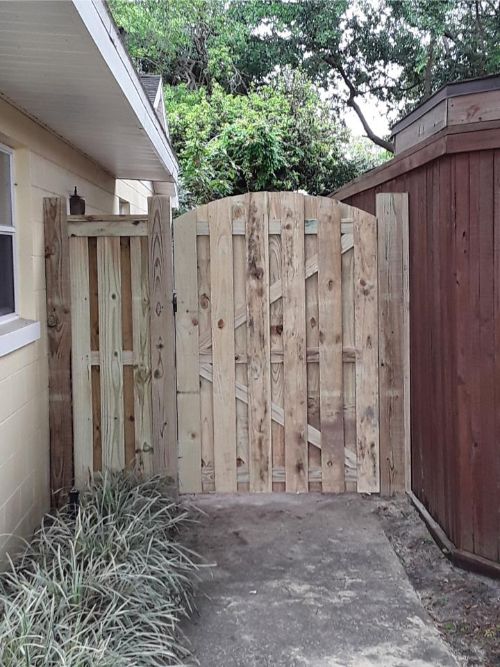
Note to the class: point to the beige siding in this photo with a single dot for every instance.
(45, 166)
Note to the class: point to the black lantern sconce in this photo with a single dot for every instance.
(76, 204)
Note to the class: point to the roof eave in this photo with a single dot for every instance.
(102, 29)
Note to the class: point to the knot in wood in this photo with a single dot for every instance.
(221, 323)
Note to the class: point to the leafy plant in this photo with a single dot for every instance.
(105, 588)
(281, 136)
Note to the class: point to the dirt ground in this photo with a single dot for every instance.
(464, 606)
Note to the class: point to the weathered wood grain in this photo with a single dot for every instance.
(81, 361)
(188, 371)
(258, 344)
(205, 325)
(162, 336)
(275, 289)
(57, 272)
(391, 352)
(239, 215)
(366, 325)
(110, 341)
(330, 347)
(141, 354)
(222, 301)
(106, 227)
(294, 341)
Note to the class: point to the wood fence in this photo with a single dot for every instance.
(291, 336)
(278, 327)
(111, 342)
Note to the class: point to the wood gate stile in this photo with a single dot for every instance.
(294, 404)
(121, 338)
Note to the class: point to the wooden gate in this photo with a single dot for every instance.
(277, 345)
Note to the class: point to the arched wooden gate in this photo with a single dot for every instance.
(277, 332)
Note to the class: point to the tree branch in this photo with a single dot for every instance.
(351, 102)
(389, 146)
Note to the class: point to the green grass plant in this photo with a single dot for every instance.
(105, 588)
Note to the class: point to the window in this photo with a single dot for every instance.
(7, 238)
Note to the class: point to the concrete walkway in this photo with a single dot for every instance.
(305, 580)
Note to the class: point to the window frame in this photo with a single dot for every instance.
(10, 230)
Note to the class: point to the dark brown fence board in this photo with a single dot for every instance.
(462, 327)
(496, 268)
(486, 489)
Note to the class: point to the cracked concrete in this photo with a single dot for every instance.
(305, 580)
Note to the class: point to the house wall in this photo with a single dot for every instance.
(45, 166)
(454, 220)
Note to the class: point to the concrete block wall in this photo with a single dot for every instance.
(45, 166)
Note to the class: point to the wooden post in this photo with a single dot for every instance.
(393, 281)
(57, 271)
(162, 332)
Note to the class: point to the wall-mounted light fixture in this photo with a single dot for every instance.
(76, 204)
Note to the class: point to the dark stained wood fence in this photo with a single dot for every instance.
(454, 217)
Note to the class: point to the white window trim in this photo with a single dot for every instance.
(11, 231)
(15, 331)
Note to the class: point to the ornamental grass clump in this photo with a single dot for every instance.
(105, 586)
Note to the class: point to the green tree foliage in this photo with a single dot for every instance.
(399, 51)
(280, 136)
(243, 79)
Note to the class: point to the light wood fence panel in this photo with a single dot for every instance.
(115, 267)
(292, 344)
(288, 357)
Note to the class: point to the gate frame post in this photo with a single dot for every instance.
(58, 300)
(162, 336)
(394, 342)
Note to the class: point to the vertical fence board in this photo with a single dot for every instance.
(110, 338)
(366, 326)
(57, 272)
(294, 342)
(142, 354)
(276, 339)
(330, 347)
(224, 378)
(205, 330)
(239, 216)
(391, 216)
(311, 207)
(349, 369)
(188, 367)
(127, 346)
(80, 355)
(258, 344)
(162, 336)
